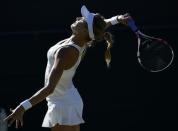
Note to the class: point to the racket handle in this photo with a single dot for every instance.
(131, 24)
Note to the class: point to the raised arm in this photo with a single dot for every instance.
(64, 59)
(122, 19)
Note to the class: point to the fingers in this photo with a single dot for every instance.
(11, 110)
(127, 18)
(11, 121)
(8, 118)
(16, 116)
(21, 122)
(17, 123)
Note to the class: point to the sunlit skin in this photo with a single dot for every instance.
(64, 60)
(80, 31)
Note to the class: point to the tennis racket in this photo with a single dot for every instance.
(154, 54)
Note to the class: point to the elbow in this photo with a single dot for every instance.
(49, 89)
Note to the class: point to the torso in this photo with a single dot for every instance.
(65, 83)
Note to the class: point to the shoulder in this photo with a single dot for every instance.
(67, 51)
(67, 56)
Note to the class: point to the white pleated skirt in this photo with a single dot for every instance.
(65, 110)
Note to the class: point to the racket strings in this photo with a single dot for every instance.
(154, 54)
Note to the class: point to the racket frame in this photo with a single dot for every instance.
(140, 35)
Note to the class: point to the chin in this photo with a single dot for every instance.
(73, 31)
(72, 27)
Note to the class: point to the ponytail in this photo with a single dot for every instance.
(109, 41)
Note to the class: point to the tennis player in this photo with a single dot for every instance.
(64, 102)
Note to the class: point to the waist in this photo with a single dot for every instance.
(60, 92)
(72, 97)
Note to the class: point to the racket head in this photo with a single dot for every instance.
(154, 54)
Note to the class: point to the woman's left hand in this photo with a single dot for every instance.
(16, 116)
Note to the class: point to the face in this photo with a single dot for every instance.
(79, 26)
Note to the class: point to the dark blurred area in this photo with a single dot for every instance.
(122, 98)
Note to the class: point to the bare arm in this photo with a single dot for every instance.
(64, 59)
(120, 19)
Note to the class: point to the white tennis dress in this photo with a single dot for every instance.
(65, 105)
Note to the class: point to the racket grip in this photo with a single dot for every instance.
(131, 24)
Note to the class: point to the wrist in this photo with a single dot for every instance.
(114, 20)
(26, 104)
(21, 108)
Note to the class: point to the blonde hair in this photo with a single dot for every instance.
(109, 40)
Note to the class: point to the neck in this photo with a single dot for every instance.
(79, 41)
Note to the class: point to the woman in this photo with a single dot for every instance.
(65, 105)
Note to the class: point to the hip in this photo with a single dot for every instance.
(71, 97)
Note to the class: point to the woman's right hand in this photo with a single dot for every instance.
(16, 116)
(123, 19)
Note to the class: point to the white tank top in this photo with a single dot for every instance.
(65, 83)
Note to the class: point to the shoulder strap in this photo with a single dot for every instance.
(70, 43)
(76, 46)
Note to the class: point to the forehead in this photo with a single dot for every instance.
(82, 19)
